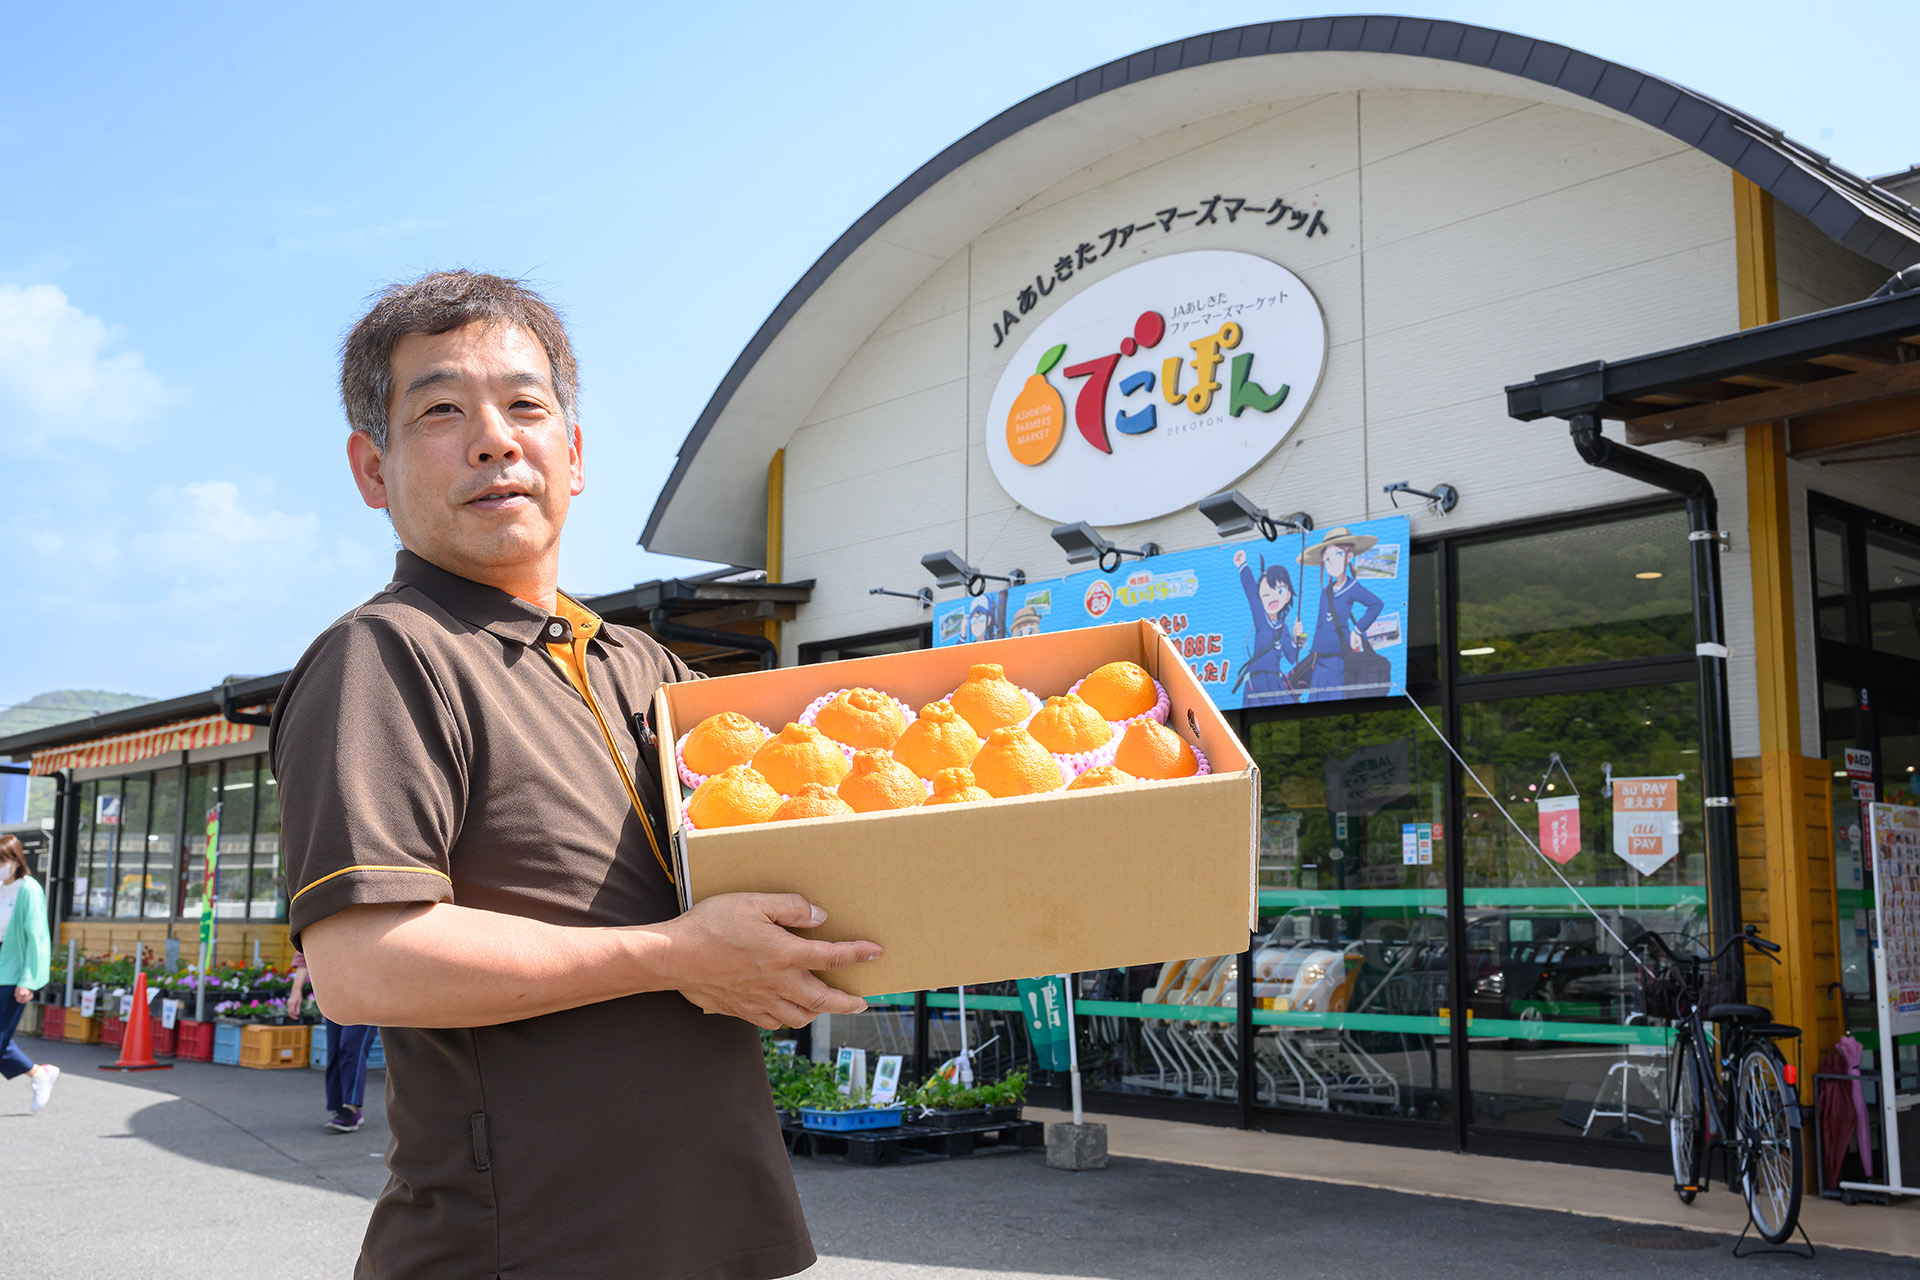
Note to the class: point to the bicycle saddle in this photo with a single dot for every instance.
(1738, 1013)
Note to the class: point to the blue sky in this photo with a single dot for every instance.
(197, 199)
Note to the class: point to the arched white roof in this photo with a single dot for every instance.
(705, 510)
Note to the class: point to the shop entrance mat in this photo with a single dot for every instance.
(912, 1143)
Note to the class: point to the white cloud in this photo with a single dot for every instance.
(63, 380)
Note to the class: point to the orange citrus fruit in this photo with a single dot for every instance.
(938, 739)
(1105, 776)
(1120, 690)
(956, 786)
(797, 755)
(722, 741)
(1149, 749)
(811, 801)
(988, 700)
(878, 781)
(1013, 764)
(734, 797)
(861, 718)
(1068, 726)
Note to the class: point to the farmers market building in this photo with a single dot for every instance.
(1304, 263)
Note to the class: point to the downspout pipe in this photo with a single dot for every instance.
(1710, 654)
(665, 628)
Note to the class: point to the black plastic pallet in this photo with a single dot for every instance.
(912, 1143)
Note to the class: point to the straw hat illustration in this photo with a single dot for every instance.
(1338, 536)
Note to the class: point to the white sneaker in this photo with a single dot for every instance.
(43, 1087)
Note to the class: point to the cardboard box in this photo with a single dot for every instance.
(975, 893)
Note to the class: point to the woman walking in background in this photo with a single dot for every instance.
(347, 1049)
(23, 964)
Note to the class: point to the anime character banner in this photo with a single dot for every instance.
(1314, 617)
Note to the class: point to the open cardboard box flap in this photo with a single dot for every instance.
(973, 893)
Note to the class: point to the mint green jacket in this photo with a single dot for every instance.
(24, 952)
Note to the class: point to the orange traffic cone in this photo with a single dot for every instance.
(136, 1046)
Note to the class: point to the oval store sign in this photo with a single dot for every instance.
(1156, 387)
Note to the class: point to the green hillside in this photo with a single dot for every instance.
(61, 706)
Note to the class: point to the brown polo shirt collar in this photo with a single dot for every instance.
(489, 608)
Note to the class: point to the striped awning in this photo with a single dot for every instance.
(125, 748)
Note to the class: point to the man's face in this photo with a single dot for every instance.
(479, 466)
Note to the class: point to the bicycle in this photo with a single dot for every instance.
(1747, 1105)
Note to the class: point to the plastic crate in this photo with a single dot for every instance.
(273, 1048)
(82, 1030)
(196, 1040)
(53, 1022)
(317, 1047)
(377, 1054)
(112, 1030)
(226, 1043)
(166, 1040)
(845, 1121)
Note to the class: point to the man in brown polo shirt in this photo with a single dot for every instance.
(476, 854)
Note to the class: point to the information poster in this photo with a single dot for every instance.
(1646, 821)
(1893, 832)
(1313, 617)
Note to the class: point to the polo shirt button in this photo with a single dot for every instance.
(555, 630)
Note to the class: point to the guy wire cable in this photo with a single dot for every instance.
(1488, 792)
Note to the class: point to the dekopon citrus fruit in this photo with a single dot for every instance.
(878, 781)
(956, 786)
(811, 801)
(721, 741)
(797, 755)
(1013, 764)
(1149, 749)
(1105, 776)
(733, 797)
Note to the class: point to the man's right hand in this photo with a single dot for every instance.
(735, 954)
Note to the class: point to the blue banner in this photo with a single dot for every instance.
(1312, 617)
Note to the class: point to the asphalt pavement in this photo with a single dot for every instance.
(213, 1172)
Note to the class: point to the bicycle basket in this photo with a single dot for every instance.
(1663, 993)
(1714, 989)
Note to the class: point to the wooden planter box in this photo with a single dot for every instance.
(30, 1019)
(82, 1030)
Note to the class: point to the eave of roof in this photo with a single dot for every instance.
(245, 693)
(1610, 389)
(1847, 208)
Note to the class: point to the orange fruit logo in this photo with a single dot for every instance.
(1038, 419)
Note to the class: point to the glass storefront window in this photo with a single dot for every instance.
(269, 901)
(1595, 593)
(84, 877)
(1830, 574)
(163, 859)
(200, 782)
(1423, 616)
(1893, 593)
(1558, 1033)
(1350, 975)
(232, 875)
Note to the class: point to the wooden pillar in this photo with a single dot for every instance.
(1790, 795)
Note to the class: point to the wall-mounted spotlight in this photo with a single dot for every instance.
(1082, 542)
(924, 596)
(1233, 513)
(949, 570)
(1443, 499)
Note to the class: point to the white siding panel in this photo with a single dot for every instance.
(917, 428)
(943, 292)
(1815, 273)
(892, 366)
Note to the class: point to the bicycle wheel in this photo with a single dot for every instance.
(1686, 1112)
(1769, 1144)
